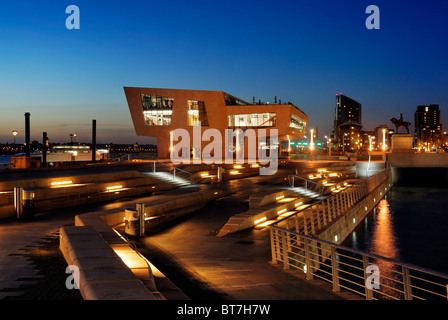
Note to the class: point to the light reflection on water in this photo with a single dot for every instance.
(408, 225)
(384, 241)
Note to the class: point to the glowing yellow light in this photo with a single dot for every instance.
(281, 211)
(298, 204)
(238, 166)
(61, 183)
(259, 220)
(278, 198)
(234, 172)
(204, 174)
(312, 139)
(114, 187)
(255, 165)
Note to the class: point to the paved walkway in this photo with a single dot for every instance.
(187, 251)
(235, 266)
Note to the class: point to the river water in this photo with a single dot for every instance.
(409, 225)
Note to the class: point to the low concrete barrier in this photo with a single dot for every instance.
(102, 273)
(106, 260)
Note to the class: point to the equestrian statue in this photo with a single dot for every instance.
(400, 123)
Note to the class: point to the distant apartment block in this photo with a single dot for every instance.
(347, 126)
(428, 128)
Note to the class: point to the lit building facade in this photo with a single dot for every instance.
(157, 112)
(346, 135)
(428, 129)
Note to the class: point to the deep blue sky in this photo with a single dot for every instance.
(300, 51)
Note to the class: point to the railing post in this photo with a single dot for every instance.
(316, 210)
(406, 284)
(174, 174)
(313, 231)
(334, 270)
(296, 219)
(324, 218)
(273, 251)
(305, 224)
(369, 293)
(309, 269)
(285, 247)
(154, 168)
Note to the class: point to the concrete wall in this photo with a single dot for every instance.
(92, 188)
(344, 225)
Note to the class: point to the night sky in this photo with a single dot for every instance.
(300, 51)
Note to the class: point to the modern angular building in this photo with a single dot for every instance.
(347, 126)
(157, 112)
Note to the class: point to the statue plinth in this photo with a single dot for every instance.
(402, 143)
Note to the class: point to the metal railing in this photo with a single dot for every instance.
(323, 212)
(345, 268)
(177, 172)
(293, 244)
(317, 187)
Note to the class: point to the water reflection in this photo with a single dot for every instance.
(384, 243)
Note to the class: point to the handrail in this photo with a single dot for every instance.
(190, 175)
(293, 176)
(364, 253)
(360, 185)
(345, 267)
(300, 251)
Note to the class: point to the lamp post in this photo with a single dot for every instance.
(312, 144)
(14, 133)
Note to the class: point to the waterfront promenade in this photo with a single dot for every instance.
(32, 266)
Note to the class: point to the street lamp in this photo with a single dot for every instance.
(312, 143)
(14, 133)
(73, 137)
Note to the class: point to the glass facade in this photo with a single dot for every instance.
(197, 115)
(157, 110)
(297, 123)
(151, 102)
(232, 101)
(252, 120)
(157, 117)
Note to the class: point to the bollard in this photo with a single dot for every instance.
(141, 218)
(18, 202)
(131, 224)
(220, 173)
(28, 203)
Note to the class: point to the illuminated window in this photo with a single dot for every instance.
(151, 102)
(157, 110)
(297, 123)
(197, 115)
(252, 120)
(157, 117)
